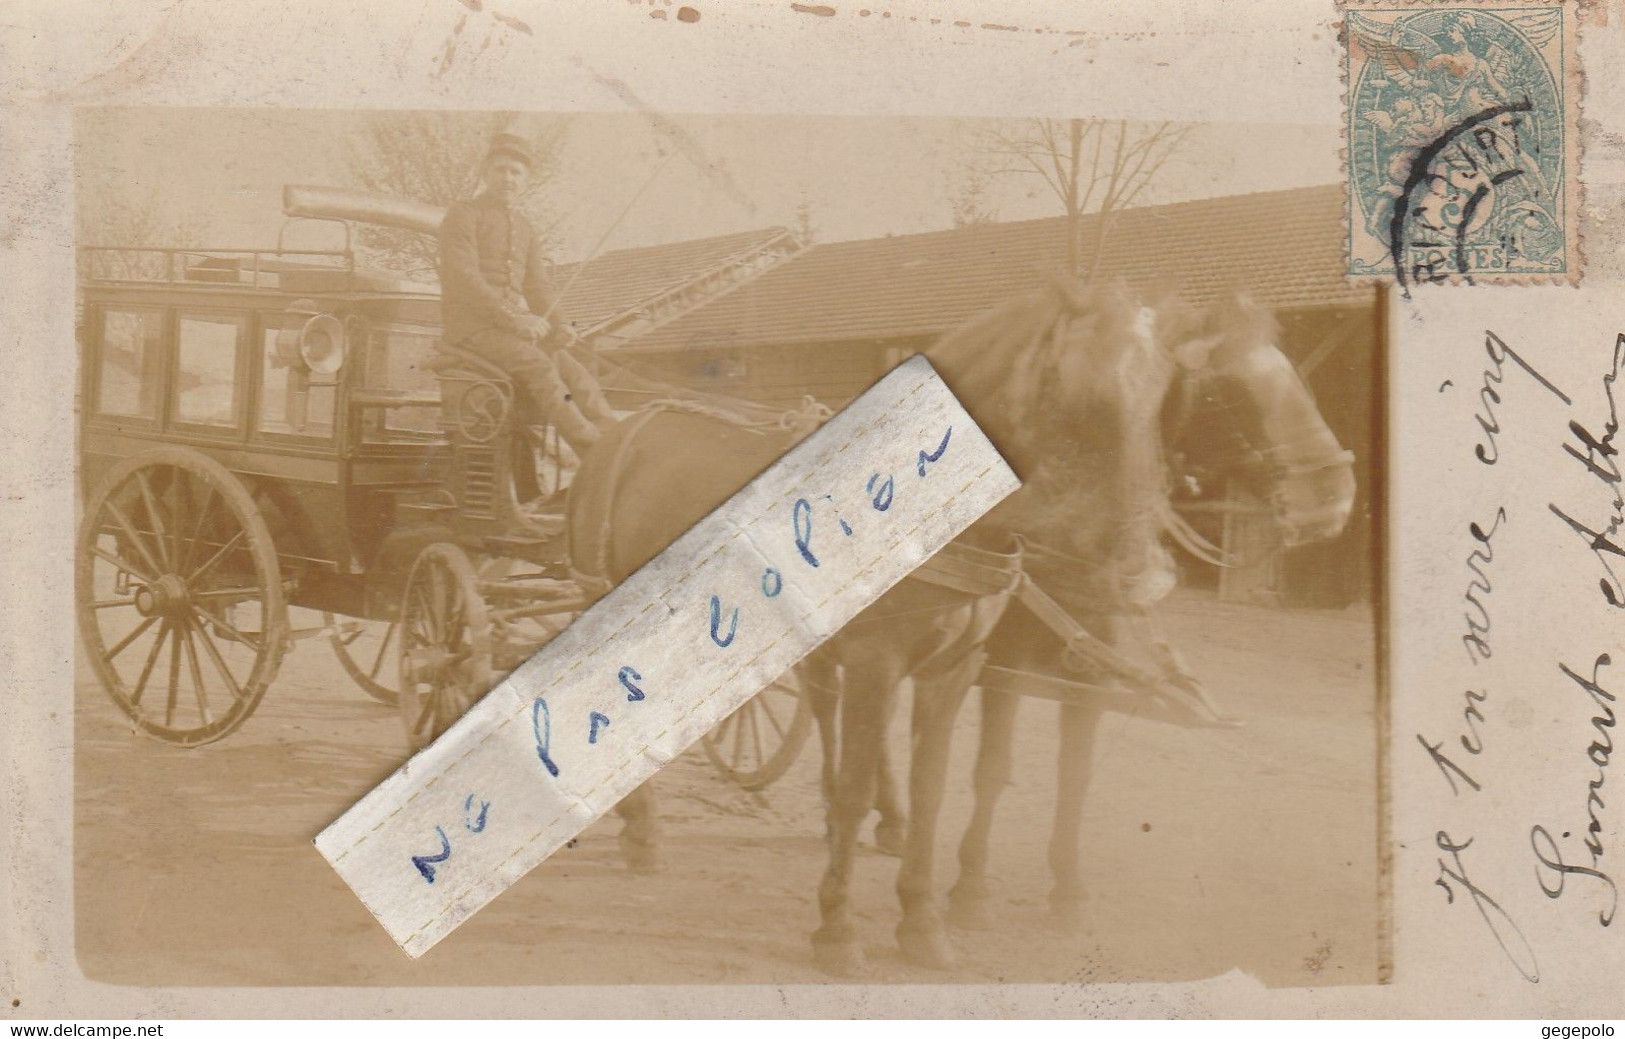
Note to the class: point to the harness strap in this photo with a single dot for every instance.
(1330, 461)
(1085, 651)
(591, 568)
(971, 570)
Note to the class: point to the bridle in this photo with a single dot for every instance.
(1279, 461)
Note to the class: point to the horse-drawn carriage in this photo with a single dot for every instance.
(276, 445)
(266, 431)
(274, 434)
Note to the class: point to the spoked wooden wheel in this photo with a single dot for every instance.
(445, 643)
(180, 598)
(368, 651)
(760, 741)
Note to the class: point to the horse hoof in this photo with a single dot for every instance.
(889, 840)
(970, 913)
(839, 959)
(926, 947)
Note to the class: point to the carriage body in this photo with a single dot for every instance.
(200, 357)
(270, 439)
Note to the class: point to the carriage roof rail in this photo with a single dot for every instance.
(171, 265)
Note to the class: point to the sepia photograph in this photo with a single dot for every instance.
(373, 404)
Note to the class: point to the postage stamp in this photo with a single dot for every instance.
(1461, 141)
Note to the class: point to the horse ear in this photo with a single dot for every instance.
(1237, 315)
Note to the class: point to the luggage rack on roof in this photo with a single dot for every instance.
(255, 268)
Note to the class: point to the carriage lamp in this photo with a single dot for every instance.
(317, 345)
(321, 344)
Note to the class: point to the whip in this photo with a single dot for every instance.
(582, 266)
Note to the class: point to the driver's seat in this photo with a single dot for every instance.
(497, 470)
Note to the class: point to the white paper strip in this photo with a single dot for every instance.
(706, 625)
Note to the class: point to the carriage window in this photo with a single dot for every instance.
(397, 361)
(206, 382)
(131, 341)
(290, 400)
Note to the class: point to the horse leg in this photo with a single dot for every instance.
(889, 832)
(866, 704)
(820, 684)
(1074, 767)
(921, 934)
(968, 901)
(640, 834)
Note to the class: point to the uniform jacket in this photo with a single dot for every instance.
(492, 271)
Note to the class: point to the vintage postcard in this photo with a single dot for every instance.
(384, 537)
(1279, 686)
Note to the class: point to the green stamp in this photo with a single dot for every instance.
(1460, 142)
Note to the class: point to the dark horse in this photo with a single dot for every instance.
(1076, 388)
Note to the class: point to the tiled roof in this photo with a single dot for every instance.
(617, 281)
(1285, 247)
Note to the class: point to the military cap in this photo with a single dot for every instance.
(513, 146)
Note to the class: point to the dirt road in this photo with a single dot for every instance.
(1252, 848)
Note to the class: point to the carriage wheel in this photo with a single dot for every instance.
(368, 653)
(445, 643)
(180, 598)
(760, 741)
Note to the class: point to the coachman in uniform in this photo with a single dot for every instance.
(498, 302)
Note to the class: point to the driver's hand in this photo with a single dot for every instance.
(536, 326)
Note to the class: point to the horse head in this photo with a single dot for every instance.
(1242, 409)
(1069, 382)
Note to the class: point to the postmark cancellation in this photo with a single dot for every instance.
(1461, 141)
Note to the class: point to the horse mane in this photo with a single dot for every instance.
(1022, 364)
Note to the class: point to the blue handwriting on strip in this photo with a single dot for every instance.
(716, 624)
(926, 457)
(474, 825)
(628, 676)
(425, 863)
(882, 494)
(541, 725)
(801, 520)
(882, 497)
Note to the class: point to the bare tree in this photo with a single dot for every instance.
(435, 157)
(806, 230)
(1092, 166)
(129, 227)
(967, 194)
